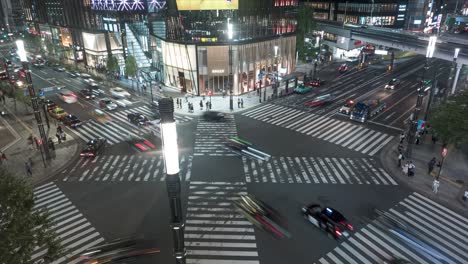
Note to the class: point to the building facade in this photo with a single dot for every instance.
(11, 16)
(179, 43)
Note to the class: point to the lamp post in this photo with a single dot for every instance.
(34, 101)
(230, 35)
(171, 163)
(417, 109)
(452, 72)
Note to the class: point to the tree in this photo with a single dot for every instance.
(305, 25)
(130, 67)
(449, 120)
(50, 47)
(21, 228)
(112, 64)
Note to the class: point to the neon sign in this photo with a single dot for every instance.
(118, 5)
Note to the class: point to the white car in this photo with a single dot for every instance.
(118, 92)
(123, 102)
(67, 96)
(107, 104)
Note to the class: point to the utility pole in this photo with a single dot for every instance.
(34, 101)
(419, 100)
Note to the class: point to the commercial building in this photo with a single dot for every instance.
(11, 16)
(181, 43)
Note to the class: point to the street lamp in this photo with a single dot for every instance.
(171, 163)
(452, 79)
(34, 100)
(230, 35)
(419, 100)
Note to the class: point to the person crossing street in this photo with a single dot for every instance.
(430, 165)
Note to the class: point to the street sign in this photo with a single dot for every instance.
(444, 152)
(421, 124)
(41, 93)
(48, 89)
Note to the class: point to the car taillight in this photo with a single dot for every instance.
(91, 154)
(350, 227)
(82, 154)
(149, 144)
(338, 232)
(140, 146)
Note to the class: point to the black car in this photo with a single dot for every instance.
(49, 104)
(137, 119)
(71, 121)
(315, 82)
(87, 94)
(94, 147)
(214, 116)
(327, 219)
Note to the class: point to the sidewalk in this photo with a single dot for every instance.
(453, 177)
(20, 125)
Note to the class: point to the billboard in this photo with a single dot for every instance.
(119, 5)
(207, 4)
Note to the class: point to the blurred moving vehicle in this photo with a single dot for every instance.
(71, 121)
(327, 219)
(57, 112)
(59, 69)
(137, 119)
(73, 74)
(67, 96)
(343, 68)
(140, 143)
(214, 116)
(392, 84)
(94, 147)
(262, 216)
(118, 250)
(347, 107)
(243, 147)
(302, 89)
(321, 100)
(118, 92)
(123, 102)
(107, 104)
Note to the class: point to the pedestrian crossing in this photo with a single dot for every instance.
(434, 234)
(115, 132)
(76, 234)
(211, 136)
(125, 168)
(316, 170)
(346, 134)
(214, 232)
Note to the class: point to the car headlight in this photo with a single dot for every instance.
(87, 97)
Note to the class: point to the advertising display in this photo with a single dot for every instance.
(207, 4)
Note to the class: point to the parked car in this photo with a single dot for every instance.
(67, 96)
(118, 92)
(107, 104)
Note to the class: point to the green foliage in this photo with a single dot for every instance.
(449, 120)
(20, 97)
(33, 41)
(50, 47)
(305, 26)
(22, 228)
(130, 66)
(112, 63)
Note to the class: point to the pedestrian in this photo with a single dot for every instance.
(63, 136)
(207, 105)
(36, 142)
(405, 168)
(411, 168)
(400, 158)
(177, 102)
(59, 129)
(434, 139)
(242, 103)
(3, 158)
(28, 168)
(430, 165)
(418, 138)
(400, 148)
(51, 143)
(201, 105)
(238, 102)
(402, 137)
(30, 142)
(59, 139)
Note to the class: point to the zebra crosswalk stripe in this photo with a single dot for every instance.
(335, 172)
(301, 169)
(76, 233)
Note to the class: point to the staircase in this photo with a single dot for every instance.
(134, 48)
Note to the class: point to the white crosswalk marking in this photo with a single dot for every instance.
(75, 232)
(214, 232)
(347, 134)
(211, 136)
(318, 170)
(434, 234)
(128, 168)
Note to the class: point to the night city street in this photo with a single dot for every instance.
(234, 132)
